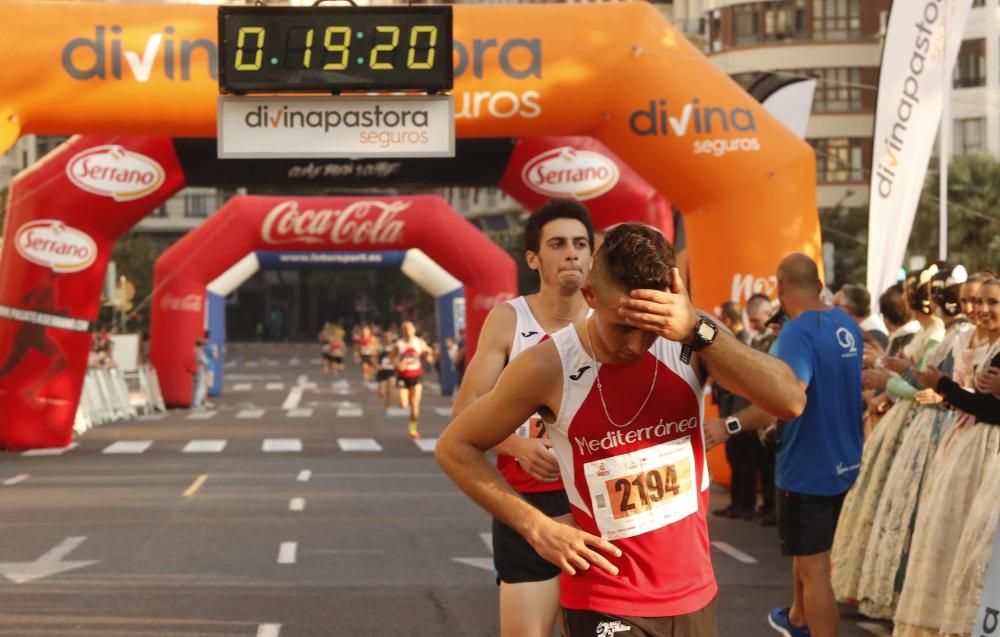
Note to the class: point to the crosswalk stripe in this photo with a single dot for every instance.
(286, 552)
(201, 415)
(358, 444)
(297, 504)
(443, 411)
(274, 386)
(51, 451)
(128, 446)
(349, 412)
(204, 446)
(301, 412)
(241, 387)
(426, 444)
(269, 630)
(397, 412)
(250, 413)
(279, 445)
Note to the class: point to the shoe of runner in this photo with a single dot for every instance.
(558, 240)
(620, 393)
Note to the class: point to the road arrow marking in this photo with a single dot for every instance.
(15, 480)
(48, 564)
(485, 563)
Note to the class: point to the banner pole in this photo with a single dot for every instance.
(944, 153)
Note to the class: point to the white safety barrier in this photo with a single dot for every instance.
(109, 395)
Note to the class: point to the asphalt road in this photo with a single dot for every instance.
(295, 507)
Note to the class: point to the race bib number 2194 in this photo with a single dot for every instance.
(637, 492)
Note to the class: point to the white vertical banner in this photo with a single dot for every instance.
(988, 617)
(921, 44)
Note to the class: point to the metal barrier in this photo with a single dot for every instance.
(109, 395)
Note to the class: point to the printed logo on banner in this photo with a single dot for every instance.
(53, 244)
(566, 171)
(710, 124)
(358, 223)
(516, 59)
(186, 303)
(113, 171)
(746, 285)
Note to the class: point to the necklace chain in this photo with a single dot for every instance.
(600, 389)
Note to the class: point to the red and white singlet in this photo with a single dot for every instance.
(527, 332)
(409, 365)
(643, 486)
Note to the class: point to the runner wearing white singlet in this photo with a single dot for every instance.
(558, 240)
(621, 399)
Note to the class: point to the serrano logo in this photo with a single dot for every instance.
(113, 171)
(361, 222)
(702, 121)
(614, 439)
(186, 303)
(566, 171)
(55, 245)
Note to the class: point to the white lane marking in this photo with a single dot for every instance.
(241, 387)
(485, 563)
(253, 364)
(426, 444)
(9, 482)
(294, 398)
(487, 539)
(279, 445)
(302, 379)
(297, 504)
(349, 412)
(272, 363)
(443, 411)
(152, 417)
(294, 361)
(200, 480)
(204, 446)
(734, 553)
(250, 413)
(286, 554)
(274, 386)
(52, 451)
(269, 630)
(315, 361)
(51, 563)
(431, 385)
(304, 475)
(358, 444)
(397, 412)
(129, 446)
(301, 412)
(201, 415)
(875, 629)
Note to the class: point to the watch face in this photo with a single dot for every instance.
(706, 332)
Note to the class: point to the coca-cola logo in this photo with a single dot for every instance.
(568, 172)
(483, 302)
(361, 222)
(55, 245)
(186, 303)
(112, 171)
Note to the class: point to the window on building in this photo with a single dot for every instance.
(836, 19)
(746, 24)
(969, 135)
(839, 160)
(970, 69)
(838, 90)
(785, 20)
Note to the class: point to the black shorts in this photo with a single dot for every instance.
(408, 382)
(700, 623)
(327, 356)
(514, 559)
(384, 374)
(367, 359)
(807, 523)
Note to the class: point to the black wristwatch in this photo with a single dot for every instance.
(704, 335)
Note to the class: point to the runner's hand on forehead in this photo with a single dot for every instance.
(666, 313)
(563, 543)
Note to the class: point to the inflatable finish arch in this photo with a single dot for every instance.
(310, 224)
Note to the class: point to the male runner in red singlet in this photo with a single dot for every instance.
(621, 394)
(557, 241)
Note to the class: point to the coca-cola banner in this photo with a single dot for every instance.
(64, 215)
(311, 225)
(585, 169)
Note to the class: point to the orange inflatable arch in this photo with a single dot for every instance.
(618, 72)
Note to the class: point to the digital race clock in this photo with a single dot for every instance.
(334, 49)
